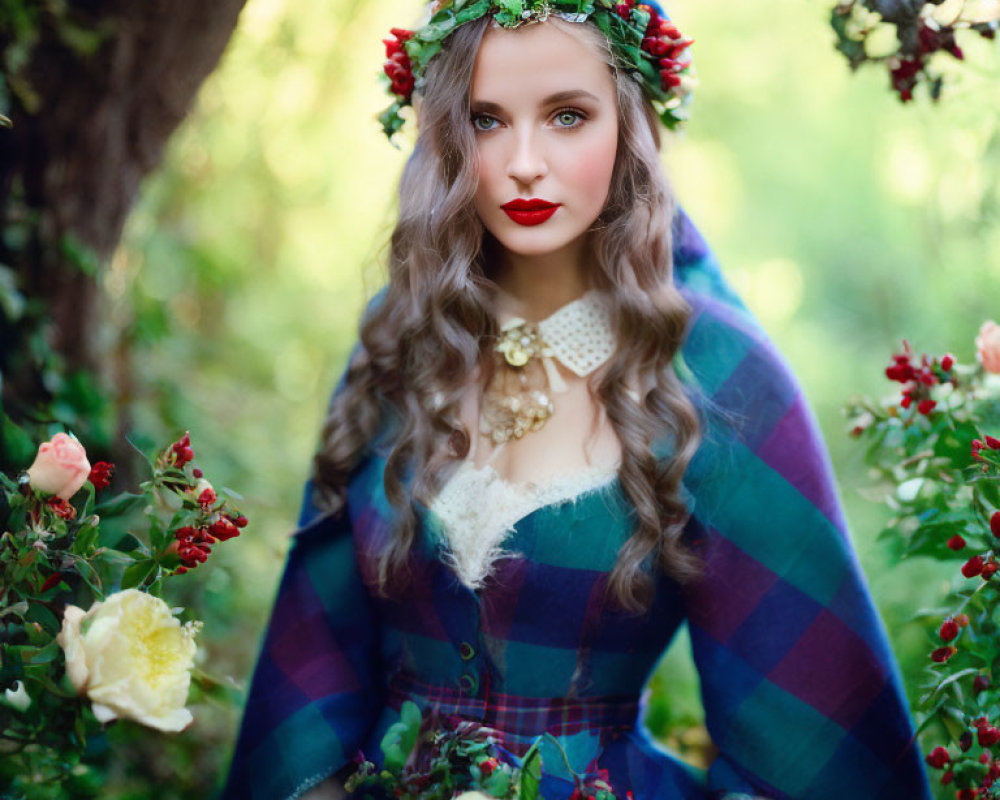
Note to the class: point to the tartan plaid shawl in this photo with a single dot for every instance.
(801, 693)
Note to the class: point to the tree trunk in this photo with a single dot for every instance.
(105, 84)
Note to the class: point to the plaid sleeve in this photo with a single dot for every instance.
(801, 692)
(313, 695)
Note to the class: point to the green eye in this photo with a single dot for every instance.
(481, 122)
(568, 119)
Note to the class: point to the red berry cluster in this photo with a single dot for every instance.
(397, 65)
(100, 474)
(181, 450)
(940, 758)
(919, 378)
(948, 632)
(977, 565)
(930, 39)
(194, 545)
(662, 42)
(987, 442)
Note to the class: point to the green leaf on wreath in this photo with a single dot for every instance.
(498, 784)
(401, 737)
(513, 8)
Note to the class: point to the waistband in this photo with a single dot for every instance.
(518, 719)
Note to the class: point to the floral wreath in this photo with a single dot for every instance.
(643, 40)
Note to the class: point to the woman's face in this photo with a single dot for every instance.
(544, 112)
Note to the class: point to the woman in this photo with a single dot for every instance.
(561, 436)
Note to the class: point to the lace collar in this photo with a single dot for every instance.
(578, 334)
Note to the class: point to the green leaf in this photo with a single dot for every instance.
(41, 614)
(85, 540)
(78, 254)
(44, 655)
(138, 573)
(498, 784)
(157, 536)
(121, 504)
(16, 446)
(951, 679)
(140, 451)
(401, 737)
(86, 571)
(513, 7)
(531, 773)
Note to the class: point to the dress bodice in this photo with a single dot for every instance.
(477, 510)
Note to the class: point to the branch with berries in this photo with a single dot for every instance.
(920, 36)
(935, 454)
(85, 636)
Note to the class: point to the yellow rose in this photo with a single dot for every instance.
(60, 467)
(132, 658)
(988, 346)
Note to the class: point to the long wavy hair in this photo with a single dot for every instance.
(434, 327)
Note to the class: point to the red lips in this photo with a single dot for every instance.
(530, 212)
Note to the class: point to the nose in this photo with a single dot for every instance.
(527, 162)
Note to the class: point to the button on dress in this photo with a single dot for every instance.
(802, 696)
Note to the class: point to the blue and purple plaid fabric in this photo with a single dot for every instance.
(801, 693)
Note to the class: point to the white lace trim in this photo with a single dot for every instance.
(478, 510)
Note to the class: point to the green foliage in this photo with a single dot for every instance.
(937, 467)
(53, 555)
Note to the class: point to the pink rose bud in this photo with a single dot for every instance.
(60, 467)
(988, 346)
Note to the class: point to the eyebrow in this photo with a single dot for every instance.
(558, 97)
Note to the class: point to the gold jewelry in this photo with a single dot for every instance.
(578, 335)
(509, 415)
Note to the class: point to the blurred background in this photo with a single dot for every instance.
(845, 219)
